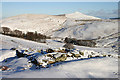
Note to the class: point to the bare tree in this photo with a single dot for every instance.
(6, 30)
(17, 32)
(30, 35)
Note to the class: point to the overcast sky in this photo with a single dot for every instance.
(99, 9)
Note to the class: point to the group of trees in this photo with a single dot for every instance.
(34, 36)
(8, 31)
(89, 43)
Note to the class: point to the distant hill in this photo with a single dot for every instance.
(115, 18)
(78, 15)
(33, 22)
(44, 24)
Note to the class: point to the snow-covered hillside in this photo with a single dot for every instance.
(109, 41)
(33, 22)
(80, 62)
(89, 30)
(20, 67)
(44, 24)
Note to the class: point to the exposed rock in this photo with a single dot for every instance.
(69, 46)
(3, 68)
(49, 50)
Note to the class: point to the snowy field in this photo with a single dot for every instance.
(96, 62)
